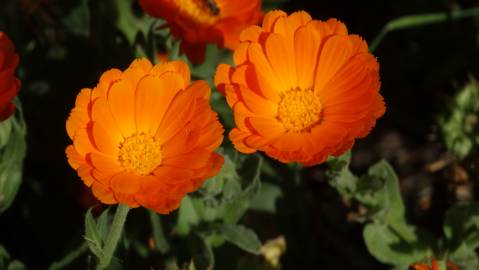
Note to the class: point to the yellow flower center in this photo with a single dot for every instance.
(201, 11)
(140, 154)
(299, 110)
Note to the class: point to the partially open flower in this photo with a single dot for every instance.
(9, 84)
(199, 22)
(145, 136)
(301, 90)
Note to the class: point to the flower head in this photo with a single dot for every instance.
(198, 22)
(145, 136)
(301, 90)
(9, 84)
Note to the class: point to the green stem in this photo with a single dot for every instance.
(420, 20)
(113, 236)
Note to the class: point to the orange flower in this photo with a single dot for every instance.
(302, 89)
(145, 136)
(434, 266)
(9, 84)
(198, 22)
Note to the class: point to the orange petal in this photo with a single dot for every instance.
(280, 54)
(74, 158)
(179, 67)
(106, 141)
(125, 183)
(103, 193)
(153, 98)
(270, 128)
(178, 114)
(306, 47)
(263, 68)
(121, 99)
(336, 51)
(270, 19)
(237, 137)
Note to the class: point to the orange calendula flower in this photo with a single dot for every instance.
(145, 136)
(9, 84)
(198, 22)
(434, 266)
(301, 90)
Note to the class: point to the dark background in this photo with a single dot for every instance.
(421, 69)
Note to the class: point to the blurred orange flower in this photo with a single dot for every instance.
(434, 266)
(301, 90)
(9, 84)
(198, 22)
(145, 136)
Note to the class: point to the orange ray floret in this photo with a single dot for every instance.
(434, 266)
(145, 136)
(199, 22)
(9, 84)
(301, 90)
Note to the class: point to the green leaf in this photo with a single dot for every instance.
(384, 243)
(242, 237)
(160, 239)
(461, 226)
(203, 258)
(92, 235)
(237, 206)
(389, 197)
(5, 131)
(465, 257)
(459, 126)
(265, 201)
(187, 216)
(412, 21)
(12, 155)
(341, 178)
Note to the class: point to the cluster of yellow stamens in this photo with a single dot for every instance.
(202, 11)
(299, 110)
(140, 154)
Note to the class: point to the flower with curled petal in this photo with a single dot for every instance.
(302, 89)
(199, 22)
(145, 136)
(9, 84)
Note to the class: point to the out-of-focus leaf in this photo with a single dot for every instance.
(459, 126)
(187, 216)
(16, 265)
(160, 239)
(69, 258)
(5, 132)
(204, 258)
(78, 20)
(4, 257)
(465, 257)
(266, 199)
(242, 237)
(12, 155)
(461, 227)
